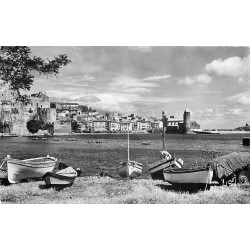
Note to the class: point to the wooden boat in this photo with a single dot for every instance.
(200, 177)
(3, 169)
(62, 166)
(129, 169)
(64, 177)
(29, 169)
(3, 174)
(166, 160)
(212, 132)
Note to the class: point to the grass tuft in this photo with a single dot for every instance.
(103, 190)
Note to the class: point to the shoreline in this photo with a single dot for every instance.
(119, 133)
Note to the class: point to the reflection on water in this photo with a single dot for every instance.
(95, 157)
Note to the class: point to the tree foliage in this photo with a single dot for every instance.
(74, 126)
(17, 68)
(33, 126)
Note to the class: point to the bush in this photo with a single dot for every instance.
(74, 126)
(33, 126)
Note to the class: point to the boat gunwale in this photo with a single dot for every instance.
(36, 165)
(185, 170)
(59, 176)
(125, 164)
(162, 163)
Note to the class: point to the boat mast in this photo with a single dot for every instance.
(128, 143)
(163, 132)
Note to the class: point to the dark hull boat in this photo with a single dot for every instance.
(156, 168)
(62, 178)
(166, 161)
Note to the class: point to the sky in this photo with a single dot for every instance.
(212, 82)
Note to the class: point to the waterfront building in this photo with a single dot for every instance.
(185, 125)
(142, 126)
(101, 125)
(114, 126)
(17, 114)
(125, 126)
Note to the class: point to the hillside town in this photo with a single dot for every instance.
(62, 115)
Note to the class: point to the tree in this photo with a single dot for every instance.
(33, 126)
(1, 127)
(17, 68)
(74, 126)
(83, 108)
(107, 115)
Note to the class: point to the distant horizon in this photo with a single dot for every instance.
(213, 82)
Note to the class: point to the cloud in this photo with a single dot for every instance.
(88, 99)
(191, 80)
(144, 49)
(240, 99)
(127, 81)
(232, 66)
(234, 111)
(156, 78)
(80, 78)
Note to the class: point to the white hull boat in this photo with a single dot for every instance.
(189, 176)
(129, 169)
(64, 177)
(29, 169)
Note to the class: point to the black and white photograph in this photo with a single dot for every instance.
(124, 124)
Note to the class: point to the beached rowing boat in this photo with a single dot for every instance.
(129, 169)
(189, 176)
(156, 169)
(3, 168)
(29, 169)
(64, 177)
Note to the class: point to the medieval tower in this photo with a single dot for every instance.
(186, 120)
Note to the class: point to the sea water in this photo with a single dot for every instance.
(196, 150)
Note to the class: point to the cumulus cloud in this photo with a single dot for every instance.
(240, 99)
(195, 79)
(234, 111)
(156, 78)
(232, 66)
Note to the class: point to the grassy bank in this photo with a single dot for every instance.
(101, 190)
